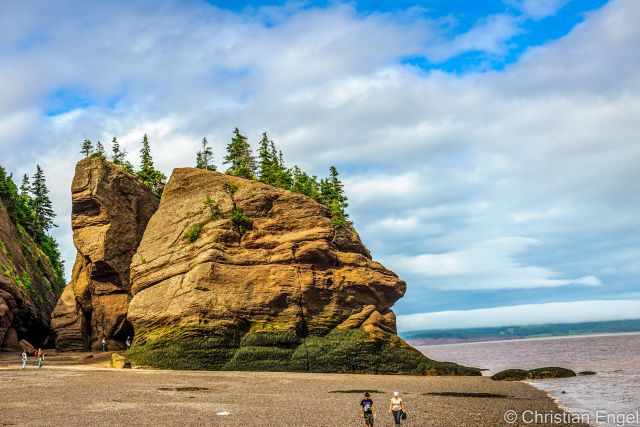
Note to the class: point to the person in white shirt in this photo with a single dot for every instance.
(396, 407)
(25, 359)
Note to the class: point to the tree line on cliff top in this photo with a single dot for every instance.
(269, 167)
(31, 211)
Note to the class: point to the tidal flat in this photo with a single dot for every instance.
(79, 390)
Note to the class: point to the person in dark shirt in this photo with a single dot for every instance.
(367, 410)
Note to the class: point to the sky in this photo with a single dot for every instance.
(489, 149)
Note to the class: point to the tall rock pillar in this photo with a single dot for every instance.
(110, 211)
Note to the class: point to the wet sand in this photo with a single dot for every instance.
(68, 391)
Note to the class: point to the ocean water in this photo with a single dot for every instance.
(611, 398)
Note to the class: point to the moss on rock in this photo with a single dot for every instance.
(350, 351)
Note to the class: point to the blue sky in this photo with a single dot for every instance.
(489, 148)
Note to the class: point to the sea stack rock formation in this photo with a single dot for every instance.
(29, 287)
(110, 211)
(234, 274)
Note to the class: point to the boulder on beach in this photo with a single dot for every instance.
(119, 361)
(550, 372)
(234, 274)
(511, 375)
(533, 374)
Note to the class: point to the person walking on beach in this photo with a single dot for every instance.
(396, 408)
(104, 344)
(40, 357)
(367, 410)
(25, 359)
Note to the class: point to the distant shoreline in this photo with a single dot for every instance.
(450, 342)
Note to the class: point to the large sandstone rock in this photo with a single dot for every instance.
(29, 287)
(110, 211)
(288, 293)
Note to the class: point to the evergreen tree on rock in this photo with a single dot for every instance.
(118, 156)
(267, 164)
(87, 148)
(25, 186)
(42, 206)
(305, 184)
(100, 149)
(239, 157)
(4, 190)
(148, 174)
(332, 194)
(204, 158)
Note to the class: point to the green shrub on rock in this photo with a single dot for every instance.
(193, 232)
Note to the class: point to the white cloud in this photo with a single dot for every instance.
(490, 36)
(489, 265)
(376, 187)
(538, 9)
(528, 216)
(527, 314)
(398, 225)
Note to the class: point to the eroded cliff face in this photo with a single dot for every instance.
(110, 211)
(234, 274)
(28, 287)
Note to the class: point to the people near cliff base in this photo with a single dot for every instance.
(396, 408)
(25, 359)
(367, 410)
(128, 342)
(40, 358)
(104, 344)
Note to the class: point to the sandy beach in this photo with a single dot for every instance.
(71, 392)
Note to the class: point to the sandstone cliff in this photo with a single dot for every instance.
(234, 274)
(110, 211)
(28, 287)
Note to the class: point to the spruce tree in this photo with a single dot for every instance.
(4, 189)
(148, 174)
(87, 148)
(271, 167)
(42, 206)
(25, 186)
(100, 149)
(267, 164)
(128, 166)
(239, 156)
(204, 157)
(25, 213)
(118, 156)
(305, 184)
(333, 195)
(284, 177)
(11, 197)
